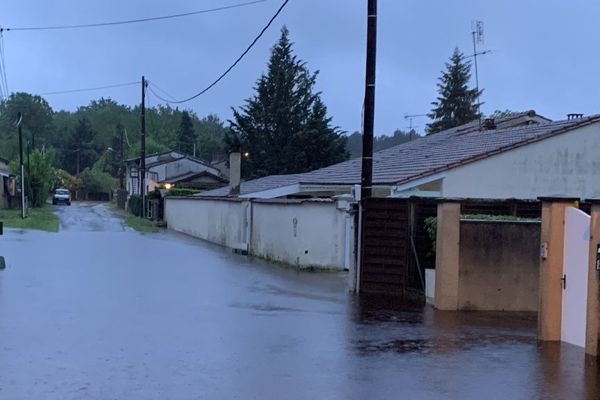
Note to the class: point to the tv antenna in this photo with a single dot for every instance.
(477, 33)
(410, 118)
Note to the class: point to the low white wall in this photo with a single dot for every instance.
(430, 285)
(307, 234)
(300, 233)
(217, 221)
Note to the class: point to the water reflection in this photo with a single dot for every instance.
(468, 355)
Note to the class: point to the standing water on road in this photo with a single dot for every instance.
(98, 311)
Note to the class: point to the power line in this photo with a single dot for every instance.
(162, 90)
(3, 68)
(91, 89)
(131, 21)
(228, 70)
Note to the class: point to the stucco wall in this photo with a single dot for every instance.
(499, 266)
(217, 221)
(567, 164)
(301, 233)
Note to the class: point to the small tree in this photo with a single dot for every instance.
(186, 137)
(42, 176)
(94, 180)
(456, 103)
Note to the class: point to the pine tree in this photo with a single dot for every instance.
(284, 127)
(186, 136)
(456, 103)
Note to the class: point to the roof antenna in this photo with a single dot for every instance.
(477, 33)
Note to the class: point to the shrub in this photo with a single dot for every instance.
(431, 228)
(135, 205)
(182, 192)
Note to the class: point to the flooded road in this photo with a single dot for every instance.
(98, 311)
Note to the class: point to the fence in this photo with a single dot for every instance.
(302, 233)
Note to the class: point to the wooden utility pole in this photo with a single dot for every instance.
(369, 112)
(142, 169)
(21, 168)
(121, 159)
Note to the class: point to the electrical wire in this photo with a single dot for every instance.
(91, 89)
(162, 90)
(228, 70)
(3, 66)
(132, 21)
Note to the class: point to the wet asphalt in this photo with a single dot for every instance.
(98, 311)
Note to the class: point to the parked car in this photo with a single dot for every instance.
(62, 196)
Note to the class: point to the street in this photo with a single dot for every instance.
(99, 311)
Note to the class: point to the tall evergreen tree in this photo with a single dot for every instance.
(186, 136)
(285, 126)
(456, 103)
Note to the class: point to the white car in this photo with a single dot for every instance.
(61, 196)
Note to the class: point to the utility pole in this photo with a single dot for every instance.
(21, 168)
(77, 151)
(29, 194)
(369, 113)
(121, 172)
(142, 169)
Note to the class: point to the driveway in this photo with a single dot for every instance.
(99, 311)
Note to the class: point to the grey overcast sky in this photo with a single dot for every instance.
(545, 53)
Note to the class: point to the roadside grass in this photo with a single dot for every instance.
(42, 219)
(139, 224)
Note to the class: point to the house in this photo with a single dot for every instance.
(7, 185)
(309, 215)
(522, 156)
(173, 168)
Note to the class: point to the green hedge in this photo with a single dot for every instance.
(135, 205)
(182, 192)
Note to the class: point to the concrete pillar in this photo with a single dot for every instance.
(551, 267)
(592, 343)
(447, 255)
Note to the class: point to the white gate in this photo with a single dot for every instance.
(575, 276)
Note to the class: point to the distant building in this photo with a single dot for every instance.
(7, 185)
(173, 168)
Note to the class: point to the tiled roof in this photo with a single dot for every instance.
(422, 157)
(192, 174)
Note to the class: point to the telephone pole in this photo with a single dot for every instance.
(121, 172)
(142, 169)
(369, 113)
(21, 168)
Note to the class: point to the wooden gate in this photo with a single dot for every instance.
(385, 246)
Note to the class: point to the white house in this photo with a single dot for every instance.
(173, 168)
(522, 156)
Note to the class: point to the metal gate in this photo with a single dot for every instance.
(385, 246)
(575, 276)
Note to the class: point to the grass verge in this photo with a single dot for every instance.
(42, 219)
(139, 224)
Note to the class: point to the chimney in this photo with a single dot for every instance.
(574, 116)
(235, 169)
(489, 124)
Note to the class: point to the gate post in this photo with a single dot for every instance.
(592, 342)
(551, 266)
(447, 255)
